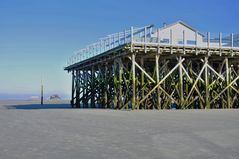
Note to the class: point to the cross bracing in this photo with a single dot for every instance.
(147, 68)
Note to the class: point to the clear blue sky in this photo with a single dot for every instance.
(37, 37)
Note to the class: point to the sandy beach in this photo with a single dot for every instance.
(56, 131)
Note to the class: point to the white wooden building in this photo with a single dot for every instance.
(179, 33)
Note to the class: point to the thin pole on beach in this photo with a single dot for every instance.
(41, 92)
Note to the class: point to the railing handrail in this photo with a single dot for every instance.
(147, 35)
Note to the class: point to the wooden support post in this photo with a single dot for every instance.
(105, 87)
(142, 80)
(157, 80)
(77, 89)
(206, 84)
(87, 88)
(73, 89)
(115, 85)
(133, 82)
(92, 89)
(120, 84)
(181, 82)
(83, 89)
(82, 86)
(228, 82)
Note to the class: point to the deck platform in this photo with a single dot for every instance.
(137, 70)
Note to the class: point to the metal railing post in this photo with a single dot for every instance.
(145, 39)
(145, 35)
(232, 54)
(89, 52)
(158, 40)
(132, 37)
(95, 49)
(171, 41)
(124, 36)
(184, 38)
(101, 45)
(114, 40)
(171, 37)
(220, 40)
(109, 43)
(118, 38)
(158, 32)
(208, 39)
(196, 38)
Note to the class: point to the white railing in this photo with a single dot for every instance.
(107, 43)
(149, 35)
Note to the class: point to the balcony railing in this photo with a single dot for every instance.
(149, 35)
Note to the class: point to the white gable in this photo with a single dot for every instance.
(177, 33)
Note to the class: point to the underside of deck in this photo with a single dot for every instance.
(152, 76)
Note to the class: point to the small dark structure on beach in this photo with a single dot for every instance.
(55, 97)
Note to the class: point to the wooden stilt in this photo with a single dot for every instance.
(133, 82)
(206, 84)
(157, 80)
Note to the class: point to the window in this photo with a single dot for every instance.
(180, 41)
(191, 42)
(165, 41)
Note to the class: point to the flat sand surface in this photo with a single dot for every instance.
(55, 131)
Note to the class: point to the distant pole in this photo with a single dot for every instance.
(41, 93)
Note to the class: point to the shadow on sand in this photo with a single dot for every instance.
(39, 106)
